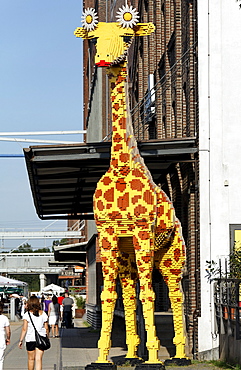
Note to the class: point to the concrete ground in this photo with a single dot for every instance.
(75, 349)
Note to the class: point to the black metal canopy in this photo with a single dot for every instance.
(63, 178)
(71, 254)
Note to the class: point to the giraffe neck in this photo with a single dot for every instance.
(122, 131)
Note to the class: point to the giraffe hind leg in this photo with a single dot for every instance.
(170, 265)
(128, 277)
(144, 258)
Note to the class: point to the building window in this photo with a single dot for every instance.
(235, 237)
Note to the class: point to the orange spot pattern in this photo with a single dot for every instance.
(106, 244)
(139, 210)
(114, 215)
(148, 197)
(124, 157)
(177, 254)
(116, 106)
(168, 262)
(135, 199)
(98, 193)
(117, 138)
(120, 185)
(122, 123)
(110, 230)
(124, 170)
(109, 195)
(136, 184)
(100, 205)
(106, 180)
(175, 271)
(117, 147)
(114, 163)
(123, 202)
(137, 173)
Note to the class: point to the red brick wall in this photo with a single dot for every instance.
(170, 54)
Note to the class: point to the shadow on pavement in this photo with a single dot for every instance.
(88, 338)
(79, 338)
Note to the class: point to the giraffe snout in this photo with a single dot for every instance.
(103, 63)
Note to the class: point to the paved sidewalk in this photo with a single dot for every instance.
(75, 349)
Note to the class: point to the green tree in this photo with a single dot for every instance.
(60, 242)
(32, 281)
(235, 264)
(42, 250)
(24, 248)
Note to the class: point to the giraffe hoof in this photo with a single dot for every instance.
(101, 366)
(150, 366)
(131, 361)
(178, 361)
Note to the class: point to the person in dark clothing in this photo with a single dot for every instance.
(46, 304)
(67, 310)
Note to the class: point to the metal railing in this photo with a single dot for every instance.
(77, 226)
(227, 302)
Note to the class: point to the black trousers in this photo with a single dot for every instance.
(67, 316)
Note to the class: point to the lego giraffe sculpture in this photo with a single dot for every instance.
(134, 217)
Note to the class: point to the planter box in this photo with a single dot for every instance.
(79, 312)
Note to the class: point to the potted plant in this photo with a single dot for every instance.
(80, 303)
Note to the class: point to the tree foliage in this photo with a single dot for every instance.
(32, 281)
(60, 242)
(214, 270)
(42, 250)
(24, 248)
(235, 264)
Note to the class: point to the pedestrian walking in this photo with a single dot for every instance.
(47, 301)
(54, 313)
(5, 334)
(67, 310)
(40, 320)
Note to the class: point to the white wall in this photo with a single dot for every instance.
(219, 33)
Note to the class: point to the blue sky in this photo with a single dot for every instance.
(40, 90)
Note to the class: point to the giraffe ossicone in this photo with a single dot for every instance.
(127, 16)
(137, 227)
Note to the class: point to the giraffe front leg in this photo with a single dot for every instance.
(108, 295)
(128, 276)
(144, 258)
(171, 265)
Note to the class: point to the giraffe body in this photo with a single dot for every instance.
(136, 221)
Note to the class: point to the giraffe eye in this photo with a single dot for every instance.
(89, 19)
(127, 16)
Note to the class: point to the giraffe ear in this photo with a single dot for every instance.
(143, 29)
(81, 32)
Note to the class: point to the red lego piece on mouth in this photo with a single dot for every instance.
(103, 63)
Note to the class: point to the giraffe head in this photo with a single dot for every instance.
(112, 39)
